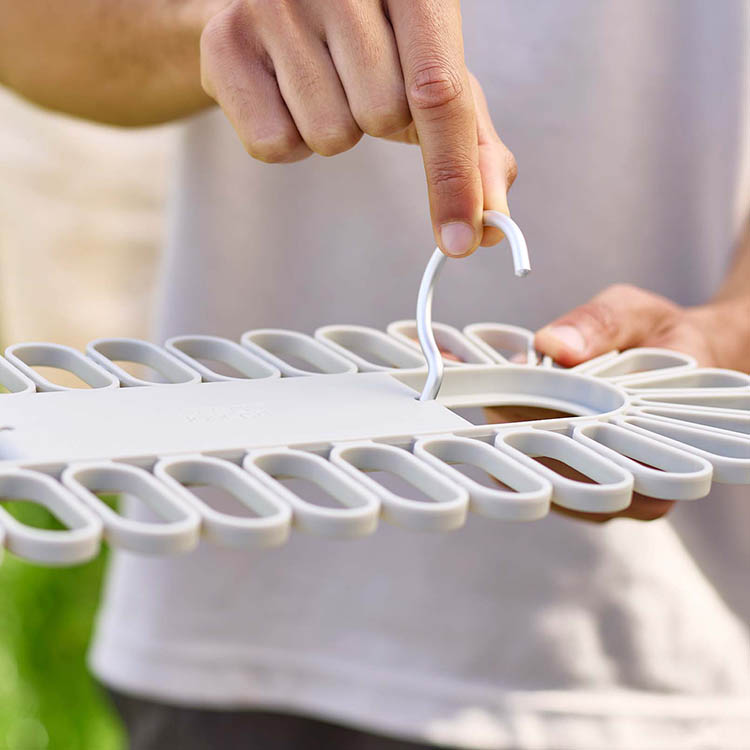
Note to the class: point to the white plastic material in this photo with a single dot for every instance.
(178, 528)
(704, 377)
(667, 430)
(346, 412)
(732, 422)
(528, 498)
(40, 354)
(612, 487)
(107, 352)
(503, 344)
(457, 349)
(729, 454)
(635, 364)
(449, 503)
(269, 528)
(192, 349)
(278, 347)
(371, 350)
(359, 512)
(659, 470)
(13, 380)
(76, 544)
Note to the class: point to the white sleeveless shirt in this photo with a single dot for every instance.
(628, 123)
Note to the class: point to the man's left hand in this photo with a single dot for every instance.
(622, 317)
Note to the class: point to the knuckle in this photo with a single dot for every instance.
(307, 81)
(222, 39)
(435, 85)
(217, 33)
(274, 148)
(379, 120)
(452, 178)
(332, 141)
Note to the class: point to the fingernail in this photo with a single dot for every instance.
(570, 336)
(456, 238)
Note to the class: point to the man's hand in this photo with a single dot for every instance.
(622, 317)
(293, 77)
(301, 76)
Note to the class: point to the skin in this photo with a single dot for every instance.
(623, 316)
(294, 77)
(297, 77)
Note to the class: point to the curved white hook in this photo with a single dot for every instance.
(426, 337)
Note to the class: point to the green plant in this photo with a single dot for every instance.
(48, 700)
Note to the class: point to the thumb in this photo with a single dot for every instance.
(620, 317)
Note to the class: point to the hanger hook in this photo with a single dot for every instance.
(424, 300)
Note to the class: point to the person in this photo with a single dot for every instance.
(629, 121)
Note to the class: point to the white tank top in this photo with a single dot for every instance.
(627, 120)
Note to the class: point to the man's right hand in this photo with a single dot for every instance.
(301, 76)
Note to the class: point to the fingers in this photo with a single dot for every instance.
(302, 76)
(363, 49)
(497, 165)
(236, 73)
(430, 45)
(642, 508)
(307, 78)
(269, 69)
(620, 317)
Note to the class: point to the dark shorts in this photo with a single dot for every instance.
(158, 726)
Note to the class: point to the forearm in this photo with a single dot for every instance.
(124, 62)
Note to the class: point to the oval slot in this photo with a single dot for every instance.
(357, 517)
(729, 455)
(611, 487)
(733, 400)
(76, 543)
(504, 344)
(447, 501)
(527, 497)
(700, 378)
(165, 368)
(217, 359)
(718, 420)
(28, 356)
(660, 470)
(177, 528)
(370, 349)
(13, 381)
(456, 348)
(592, 364)
(640, 362)
(295, 354)
(267, 527)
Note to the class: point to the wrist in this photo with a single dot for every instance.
(726, 325)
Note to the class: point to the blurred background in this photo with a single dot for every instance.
(80, 230)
